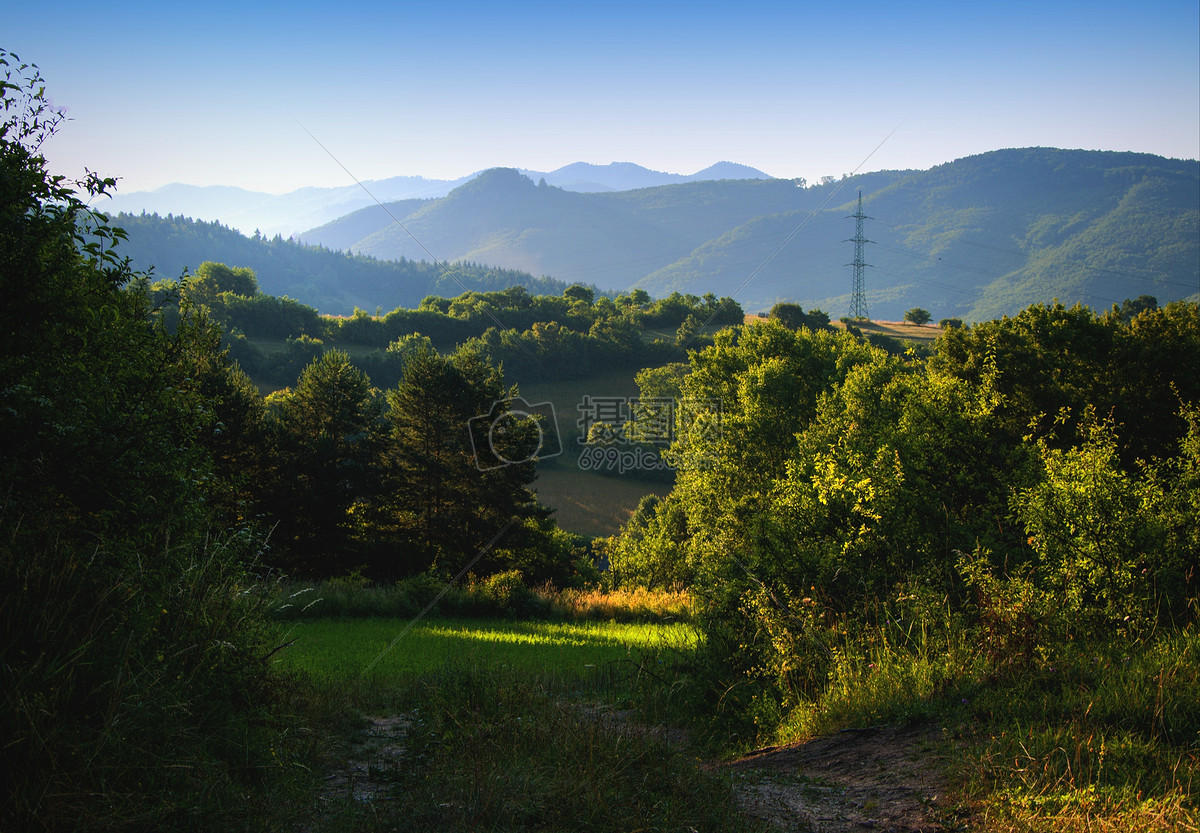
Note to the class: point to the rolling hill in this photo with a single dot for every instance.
(974, 238)
(291, 213)
(332, 282)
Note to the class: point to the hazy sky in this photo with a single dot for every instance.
(223, 93)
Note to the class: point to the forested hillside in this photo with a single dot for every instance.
(975, 238)
(610, 239)
(332, 282)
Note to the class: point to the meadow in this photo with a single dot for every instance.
(496, 724)
(389, 649)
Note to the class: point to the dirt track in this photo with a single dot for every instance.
(881, 779)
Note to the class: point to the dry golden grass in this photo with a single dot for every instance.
(922, 333)
(623, 605)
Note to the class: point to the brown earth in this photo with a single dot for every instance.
(883, 779)
(878, 779)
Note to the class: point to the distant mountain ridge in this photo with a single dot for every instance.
(305, 208)
(975, 238)
(626, 176)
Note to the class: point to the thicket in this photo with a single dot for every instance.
(133, 688)
(1031, 489)
(534, 337)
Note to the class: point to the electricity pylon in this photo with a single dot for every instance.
(858, 299)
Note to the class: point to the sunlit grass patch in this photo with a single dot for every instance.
(342, 649)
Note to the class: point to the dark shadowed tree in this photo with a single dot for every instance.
(328, 430)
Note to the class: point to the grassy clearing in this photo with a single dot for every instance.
(903, 330)
(494, 749)
(585, 502)
(505, 726)
(340, 650)
(589, 503)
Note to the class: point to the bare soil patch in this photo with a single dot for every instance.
(367, 767)
(883, 779)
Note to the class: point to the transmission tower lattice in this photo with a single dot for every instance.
(858, 299)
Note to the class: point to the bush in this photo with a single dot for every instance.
(135, 692)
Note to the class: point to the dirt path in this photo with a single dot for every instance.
(873, 779)
(882, 779)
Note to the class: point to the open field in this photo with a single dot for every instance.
(591, 504)
(502, 726)
(922, 333)
(587, 503)
(343, 649)
(903, 330)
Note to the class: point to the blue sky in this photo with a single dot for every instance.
(223, 92)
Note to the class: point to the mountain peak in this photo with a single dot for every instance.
(729, 170)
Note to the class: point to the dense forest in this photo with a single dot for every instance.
(885, 534)
(331, 281)
(975, 238)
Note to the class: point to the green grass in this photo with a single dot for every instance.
(508, 726)
(1099, 736)
(342, 649)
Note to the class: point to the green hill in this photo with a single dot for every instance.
(331, 281)
(975, 238)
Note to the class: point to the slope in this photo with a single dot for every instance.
(975, 238)
(332, 282)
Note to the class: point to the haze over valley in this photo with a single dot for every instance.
(974, 238)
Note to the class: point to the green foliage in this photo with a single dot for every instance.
(579, 294)
(650, 550)
(328, 430)
(213, 279)
(1095, 541)
(793, 317)
(134, 695)
(1132, 308)
(918, 316)
(456, 442)
(824, 526)
(1050, 358)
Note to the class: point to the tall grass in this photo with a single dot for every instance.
(498, 750)
(1106, 737)
(500, 595)
(136, 698)
(510, 725)
(1074, 736)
